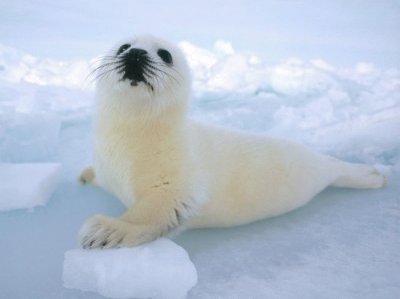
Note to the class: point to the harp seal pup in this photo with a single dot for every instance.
(173, 173)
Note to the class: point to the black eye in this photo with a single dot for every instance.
(165, 56)
(123, 48)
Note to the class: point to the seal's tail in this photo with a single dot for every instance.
(359, 176)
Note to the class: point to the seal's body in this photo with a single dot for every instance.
(174, 173)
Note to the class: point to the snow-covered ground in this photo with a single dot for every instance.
(326, 74)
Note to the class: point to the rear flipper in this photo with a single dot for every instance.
(87, 176)
(359, 176)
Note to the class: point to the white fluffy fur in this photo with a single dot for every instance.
(174, 173)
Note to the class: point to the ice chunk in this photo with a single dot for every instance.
(27, 185)
(160, 269)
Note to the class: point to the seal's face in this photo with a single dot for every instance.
(137, 65)
(144, 68)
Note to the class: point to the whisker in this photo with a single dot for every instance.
(155, 73)
(164, 72)
(107, 72)
(118, 64)
(162, 65)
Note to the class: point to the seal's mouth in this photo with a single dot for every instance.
(136, 77)
(135, 83)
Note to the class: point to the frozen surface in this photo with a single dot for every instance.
(160, 269)
(28, 136)
(27, 185)
(325, 74)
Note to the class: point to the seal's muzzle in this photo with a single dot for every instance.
(135, 62)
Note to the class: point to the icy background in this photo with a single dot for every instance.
(326, 74)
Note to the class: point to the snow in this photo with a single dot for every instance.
(160, 269)
(326, 74)
(27, 185)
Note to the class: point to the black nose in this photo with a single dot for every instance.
(135, 61)
(136, 55)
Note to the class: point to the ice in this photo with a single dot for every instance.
(160, 269)
(27, 185)
(26, 137)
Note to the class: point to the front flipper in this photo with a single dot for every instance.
(106, 232)
(144, 222)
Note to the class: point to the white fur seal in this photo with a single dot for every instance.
(174, 173)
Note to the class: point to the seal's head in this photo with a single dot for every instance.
(144, 72)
